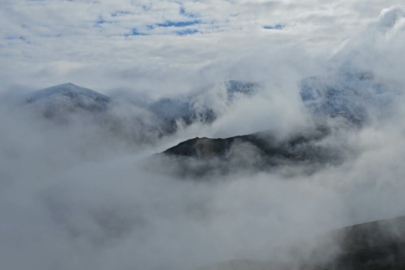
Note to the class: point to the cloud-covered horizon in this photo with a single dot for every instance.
(95, 43)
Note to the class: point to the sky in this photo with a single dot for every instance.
(162, 46)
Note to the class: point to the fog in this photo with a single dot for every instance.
(87, 194)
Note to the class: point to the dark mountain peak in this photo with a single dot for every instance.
(201, 148)
(266, 149)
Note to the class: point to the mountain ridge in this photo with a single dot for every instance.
(68, 96)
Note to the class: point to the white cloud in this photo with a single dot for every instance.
(390, 16)
(57, 184)
(95, 37)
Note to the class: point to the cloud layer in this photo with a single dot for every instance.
(77, 197)
(96, 43)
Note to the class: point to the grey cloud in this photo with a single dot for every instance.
(75, 196)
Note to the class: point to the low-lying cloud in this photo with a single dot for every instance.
(79, 196)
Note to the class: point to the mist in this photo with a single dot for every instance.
(94, 192)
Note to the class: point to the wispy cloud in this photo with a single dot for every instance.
(75, 197)
(141, 35)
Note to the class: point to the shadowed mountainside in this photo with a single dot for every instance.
(378, 245)
(303, 147)
(303, 152)
(372, 245)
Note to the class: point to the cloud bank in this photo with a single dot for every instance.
(76, 196)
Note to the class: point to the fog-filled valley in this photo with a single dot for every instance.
(227, 171)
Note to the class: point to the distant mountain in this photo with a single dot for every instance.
(294, 149)
(375, 245)
(260, 151)
(378, 245)
(67, 97)
(72, 104)
(204, 106)
(354, 95)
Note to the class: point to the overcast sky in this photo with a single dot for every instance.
(168, 45)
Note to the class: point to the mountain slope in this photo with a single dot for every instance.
(67, 97)
(204, 106)
(378, 245)
(262, 151)
(354, 95)
(373, 245)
